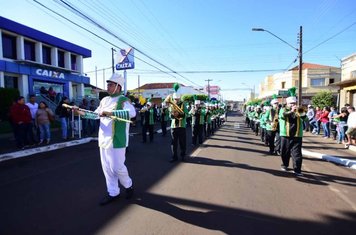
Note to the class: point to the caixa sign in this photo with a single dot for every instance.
(127, 60)
(127, 65)
(49, 73)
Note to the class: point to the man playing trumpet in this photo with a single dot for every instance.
(178, 112)
(291, 132)
(113, 137)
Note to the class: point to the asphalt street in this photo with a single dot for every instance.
(229, 185)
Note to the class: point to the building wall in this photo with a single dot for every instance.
(348, 92)
(275, 83)
(29, 75)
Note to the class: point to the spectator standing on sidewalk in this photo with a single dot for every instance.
(310, 123)
(316, 121)
(341, 125)
(291, 132)
(324, 118)
(33, 127)
(351, 127)
(64, 115)
(21, 118)
(85, 122)
(333, 113)
(44, 116)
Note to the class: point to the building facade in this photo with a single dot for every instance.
(347, 85)
(315, 78)
(32, 61)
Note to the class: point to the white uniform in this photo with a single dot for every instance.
(113, 159)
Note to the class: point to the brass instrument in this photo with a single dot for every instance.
(300, 111)
(274, 123)
(169, 100)
(85, 110)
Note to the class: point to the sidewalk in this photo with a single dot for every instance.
(328, 150)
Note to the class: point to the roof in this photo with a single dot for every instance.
(312, 66)
(150, 86)
(36, 35)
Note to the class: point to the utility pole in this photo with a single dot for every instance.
(300, 66)
(112, 60)
(209, 80)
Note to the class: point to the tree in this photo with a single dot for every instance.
(323, 99)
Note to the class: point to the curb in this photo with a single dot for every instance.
(341, 161)
(27, 152)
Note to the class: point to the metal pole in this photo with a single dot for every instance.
(125, 84)
(208, 80)
(300, 66)
(112, 60)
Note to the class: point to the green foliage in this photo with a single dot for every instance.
(190, 98)
(7, 96)
(323, 99)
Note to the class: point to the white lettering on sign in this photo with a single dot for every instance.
(127, 65)
(49, 73)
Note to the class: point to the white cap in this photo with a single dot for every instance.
(176, 95)
(196, 101)
(291, 99)
(117, 78)
(309, 105)
(274, 101)
(149, 103)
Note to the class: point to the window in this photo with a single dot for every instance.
(30, 50)
(73, 59)
(11, 81)
(46, 55)
(61, 59)
(296, 83)
(331, 80)
(317, 82)
(9, 46)
(283, 85)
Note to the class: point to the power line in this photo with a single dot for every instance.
(333, 36)
(124, 41)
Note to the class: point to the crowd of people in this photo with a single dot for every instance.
(203, 117)
(281, 126)
(31, 122)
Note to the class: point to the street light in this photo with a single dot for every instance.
(300, 56)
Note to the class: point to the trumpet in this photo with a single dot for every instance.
(85, 110)
(169, 100)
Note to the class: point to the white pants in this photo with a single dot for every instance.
(113, 163)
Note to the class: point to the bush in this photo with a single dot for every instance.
(323, 99)
(7, 96)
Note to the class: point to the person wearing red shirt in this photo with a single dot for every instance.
(21, 118)
(324, 118)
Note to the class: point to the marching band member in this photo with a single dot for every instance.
(164, 118)
(291, 131)
(198, 120)
(113, 137)
(178, 125)
(149, 116)
(271, 117)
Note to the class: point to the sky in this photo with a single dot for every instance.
(192, 41)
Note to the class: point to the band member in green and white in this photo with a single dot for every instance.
(113, 137)
(291, 132)
(178, 113)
